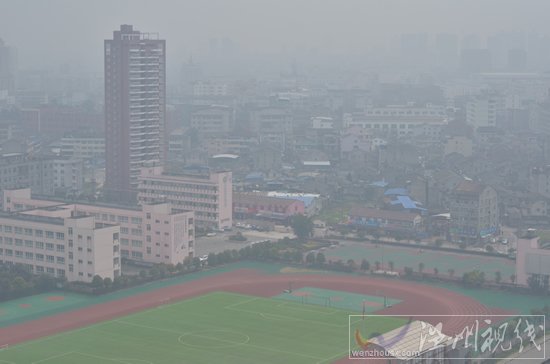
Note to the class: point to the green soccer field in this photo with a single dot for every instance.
(214, 328)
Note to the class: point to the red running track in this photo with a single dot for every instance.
(417, 300)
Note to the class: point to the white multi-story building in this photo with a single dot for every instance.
(68, 174)
(399, 120)
(483, 110)
(61, 243)
(209, 89)
(214, 120)
(322, 122)
(209, 196)
(83, 147)
(151, 233)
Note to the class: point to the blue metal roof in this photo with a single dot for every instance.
(407, 203)
(396, 192)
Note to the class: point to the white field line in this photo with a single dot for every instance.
(100, 357)
(52, 357)
(245, 344)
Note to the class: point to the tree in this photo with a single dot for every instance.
(474, 278)
(97, 282)
(513, 278)
(421, 267)
(320, 259)
(351, 264)
(213, 259)
(436, 271)
(408, 271)
(489, 248)
(377, 265)
(451, 272)
(302, 226)
(365, 265)
(196, 262)
(498, 276)
(391, 265)
(439, 242)
(418, 241)
(107, 282)
(310, 258)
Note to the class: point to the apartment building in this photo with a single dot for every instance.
(214, 120)
(58, 242)
(151, 233)
(135, 106)
(474, 211)
(483, 110)
(209, 195)
(19, 171)
(68, 175)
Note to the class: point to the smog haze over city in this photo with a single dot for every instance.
(274, 181)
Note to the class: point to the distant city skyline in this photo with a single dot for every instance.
(251, 28)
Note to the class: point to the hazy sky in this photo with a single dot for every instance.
(51, 32)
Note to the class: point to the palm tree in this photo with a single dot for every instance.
(391, 265)
(420, 267)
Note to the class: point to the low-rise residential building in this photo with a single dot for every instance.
(209, 195)
(386, 220)
(460, 145)
(151, 233)
(258, 205)
(355, 143)
(312, 201)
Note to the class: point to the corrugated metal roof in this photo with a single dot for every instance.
(416, 336)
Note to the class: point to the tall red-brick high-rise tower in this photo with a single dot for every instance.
(135, 107)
